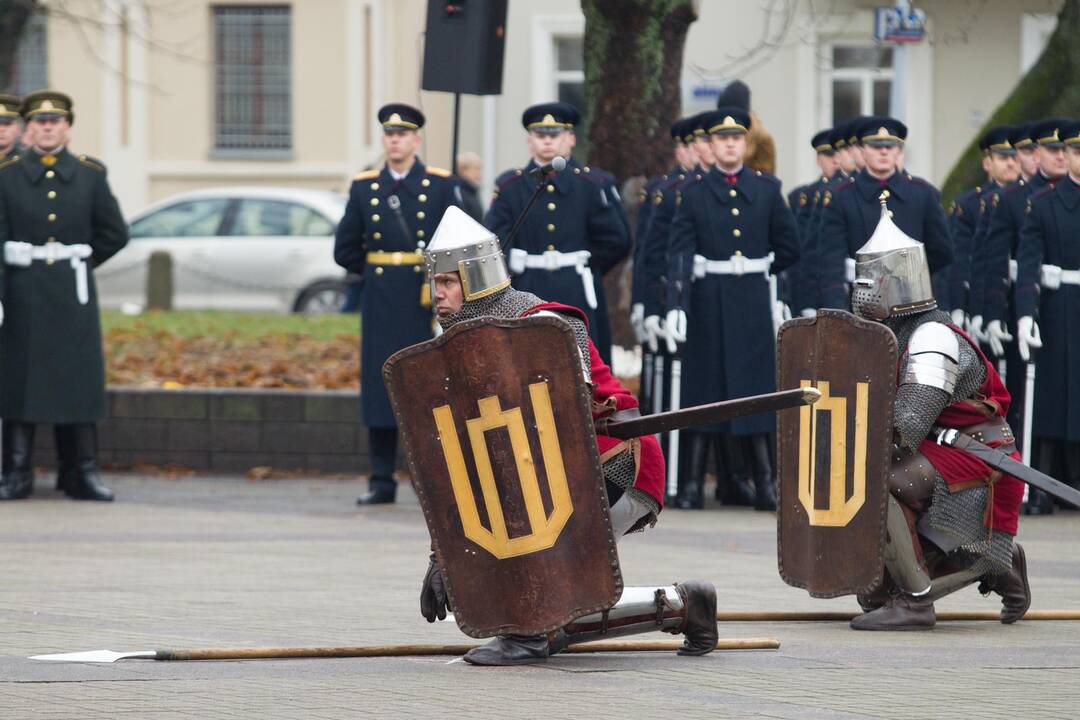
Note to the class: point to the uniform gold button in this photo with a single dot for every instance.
(551, 206)
(378, 271)
(50, 174)
(420, 244)
(52, 217)
(52, 239)
(425, 182)
(422, 198)
(51, 194)
(551, 228)
(737, 232)
(417, 268)
(419, 233)
(420, 215)
(734, 211)
(377, 236)
(375, 217)
(550, 247)
(551, 188)
(374, 201)
(374, 186)
(732, 192)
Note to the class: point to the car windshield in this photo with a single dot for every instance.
(269, 218)
(193, 218)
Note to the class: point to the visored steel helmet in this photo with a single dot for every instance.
(464, 246)
(892, 277)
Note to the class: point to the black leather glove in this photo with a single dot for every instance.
(433, 600)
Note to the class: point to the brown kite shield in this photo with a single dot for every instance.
(498, 432)
(833, 456)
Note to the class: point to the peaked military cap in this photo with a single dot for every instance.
(551, 117)
(398, 116)
(1020, 136)
(997, 139)
(1047, 133)
(730, 120)
(823, 141)
(9, 108)
(698, 125)
(47, 104)
(851, 129)
(1070, 133)
(838, 137)
(881, 131)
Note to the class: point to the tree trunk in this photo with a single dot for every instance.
(633, 64)
(1051, 88)
(13, 17)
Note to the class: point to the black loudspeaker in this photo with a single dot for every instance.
(463, 50)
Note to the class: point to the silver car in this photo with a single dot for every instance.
(235, 248)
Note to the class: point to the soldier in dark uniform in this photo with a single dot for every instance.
(388, 221)
(728, 224)
(850, 214)
(10, 126)
(575, 234)
(1048, 286)
(801, 279)
(58, 220)
(1002, 249)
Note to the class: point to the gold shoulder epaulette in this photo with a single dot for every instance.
(10, 161)
(366, 175)
(441, 172)
(91, 163)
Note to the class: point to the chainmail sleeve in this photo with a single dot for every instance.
(917, 407)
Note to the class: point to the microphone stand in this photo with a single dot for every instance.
(532, 201)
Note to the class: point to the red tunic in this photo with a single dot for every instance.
(962, 470)
(609, 396)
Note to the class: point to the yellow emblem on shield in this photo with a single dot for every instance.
(841, 508)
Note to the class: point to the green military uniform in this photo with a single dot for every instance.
(58, 220)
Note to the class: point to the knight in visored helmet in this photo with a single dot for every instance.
(469, 279)
(951, 519)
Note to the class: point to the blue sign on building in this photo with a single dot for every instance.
(891, 24)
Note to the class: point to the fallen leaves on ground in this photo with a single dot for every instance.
(145, 357)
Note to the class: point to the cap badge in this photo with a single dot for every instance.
(1056, 134)
(395, 118)
(548, 120)
(728, 120)
(882, 131)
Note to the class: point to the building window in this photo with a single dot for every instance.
(253, 84)
(30, 71)
(860, 81)
(570, 69)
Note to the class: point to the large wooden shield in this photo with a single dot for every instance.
(496, 422)
(833, 456)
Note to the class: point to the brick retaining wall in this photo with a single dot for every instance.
(229, 430)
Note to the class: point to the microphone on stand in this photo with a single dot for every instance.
(557, 164)
(541, 173)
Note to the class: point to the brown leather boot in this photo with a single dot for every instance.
(901, 612)
(875, 598)
(510, 650)
(1012, 586)
(699, 618)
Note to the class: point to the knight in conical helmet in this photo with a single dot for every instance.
(951, 519)
(469, 280)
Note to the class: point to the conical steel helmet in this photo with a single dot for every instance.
(892, 277)
(464, 246)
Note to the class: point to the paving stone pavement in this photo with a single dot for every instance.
(224, 562)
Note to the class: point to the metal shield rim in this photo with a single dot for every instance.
(885, 332)
(591, 449)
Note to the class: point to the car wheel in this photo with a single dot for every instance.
(320, 298)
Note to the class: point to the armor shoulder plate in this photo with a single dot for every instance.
(933, 357)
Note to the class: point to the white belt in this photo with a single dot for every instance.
(736, 265)
(552, 260)
(1070, 277)
(849, 270)
(22, 254)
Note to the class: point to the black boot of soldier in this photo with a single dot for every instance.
(734, 485)
(1039, 503)
(764, 482)
(692, 494)
(67, 457)
(83, 482)
(17, 476)
(510, 650)
(382, 488)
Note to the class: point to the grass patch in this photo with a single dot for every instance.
(237, 325)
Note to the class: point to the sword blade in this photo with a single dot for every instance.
(1000, 461)
(709, 414)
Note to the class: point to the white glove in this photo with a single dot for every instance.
(997, 336)
(1, 313)
(1051, 277)
(637, 321)
(977, 329)
(675, 329)
(654, 330)
(517, 260)
(1027, 336)
(958, 317)
(808, 312)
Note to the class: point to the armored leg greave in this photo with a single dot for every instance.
(903, 556)
(17, 476)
